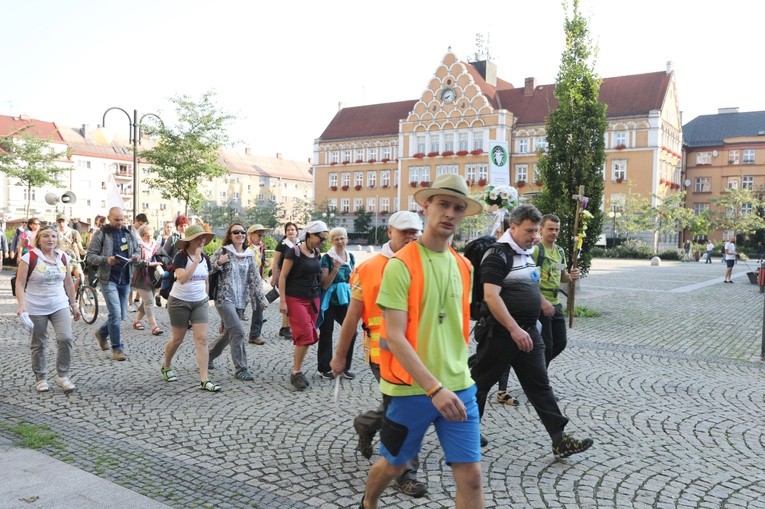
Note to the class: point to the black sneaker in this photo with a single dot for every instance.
(348, 375)
(569, 445)
(326, 375)
(484, 441)
(410, 486)
(365, 440)
(299, 381)
(158, 301)
(285, 332)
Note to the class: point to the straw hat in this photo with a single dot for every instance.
(453, 185)
(258, 228)
(193, 232)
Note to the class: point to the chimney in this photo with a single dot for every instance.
(278, 155)
(85, 130)
(722, 111)
(669, 66)
(488, 71)
(340, 105)
(529, 86)
(247, 151)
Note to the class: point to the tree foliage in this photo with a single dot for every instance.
(31, 161)
(363, 221)
(188, 152)
(739, 211)
(575, 137)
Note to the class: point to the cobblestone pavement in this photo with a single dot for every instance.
(667, 381)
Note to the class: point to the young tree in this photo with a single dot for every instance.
(669, 215)
(188, 152)
(739, 211)
(575, 137)
(267, 213)
(31, 161)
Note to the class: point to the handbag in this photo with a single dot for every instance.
(272, 295)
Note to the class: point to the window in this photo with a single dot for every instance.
(620, 139)
(414, 174)
(413, 204)
(537, 173)
(733, 157)
(749, 156)
(223, 194)
(747, 182)
(26, 193)
(478, 140)
(345, 205)
(144, 205)
(523, 145)
(358, 154)
(395, 204)
(619, 169)
(395, 177)
(358, 203)
(163, 206)
(334, 157)
(333, 180)
(346, 155)
(540, 143)
(746, 208)
(372, 153)
(384, 205)
(385, 178)
(470, 172)
(703, 158)
(703, 185)
(261, 197)
(332, 204)
(463, 141)
(449, 142)
(358, 178)
(345, 178)
(421, 143)
(444, 169)
(732, 183)
(483, 171)
(236, 197)
(371, 179)
(435, 145)
(265, 181)
(386, 153)
(372, 205)
(698, 208)
(425, 173)
(618, 200)
(521, 172)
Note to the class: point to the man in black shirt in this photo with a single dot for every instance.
(509, 334)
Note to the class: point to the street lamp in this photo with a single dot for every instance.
(614, 214)
(327, 218)
(135, 139)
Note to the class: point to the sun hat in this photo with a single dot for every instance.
(193, 232)
(258, 228)
(314, 227)
(450, 184)
(405, 220)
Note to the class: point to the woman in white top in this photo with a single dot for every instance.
(46, 293)
(143, 279)
(188, 303)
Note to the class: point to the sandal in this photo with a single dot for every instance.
(138, 326)
(156, 331)
(208, 386)
(168, 374)
(503, 397)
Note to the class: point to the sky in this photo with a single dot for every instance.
(282, 67)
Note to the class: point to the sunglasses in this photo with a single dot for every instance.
(238, 232)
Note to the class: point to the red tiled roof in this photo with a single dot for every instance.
(372, 120)
(37, 128)
(275, 167)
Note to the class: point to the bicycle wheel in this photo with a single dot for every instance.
(88, 304)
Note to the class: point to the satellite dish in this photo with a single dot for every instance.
(51, 199)
(714, 153)
(687, 182)
(68, 198)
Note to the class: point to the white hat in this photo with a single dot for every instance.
(314, 227)
(405, 220)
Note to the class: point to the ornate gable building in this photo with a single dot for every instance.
(375, 157)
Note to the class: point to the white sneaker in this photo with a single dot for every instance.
(42, 386)
(65, 383)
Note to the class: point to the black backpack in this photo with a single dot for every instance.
(169, 281)
(475, 251)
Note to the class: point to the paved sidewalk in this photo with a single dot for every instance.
(667, 381)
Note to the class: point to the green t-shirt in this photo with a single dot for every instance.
(441, 347)
(550, 272)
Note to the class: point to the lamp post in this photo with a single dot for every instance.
(614, 214)
(135, 139)
(327, 218)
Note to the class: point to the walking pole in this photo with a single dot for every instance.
(574, 256)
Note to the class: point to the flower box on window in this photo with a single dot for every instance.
(345, 188)
(371, 186)
(520, 183)
(384, 211)
(385, 186)
(620, 146)
(619, 180)
(333, 163)
(359, 161)
(477, 151)
(372, 161)
(413, 183)
(462, 152)
(346, 161)
(481, 182)
(385, 159)
(419, 155)
(432, 154)
(538, 183)
(357, 187)
(334, 188)
(448, 153)
(424, 183)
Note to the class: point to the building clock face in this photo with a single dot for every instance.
(448, 95)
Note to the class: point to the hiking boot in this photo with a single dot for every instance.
(285, 333)
(365, 440)
(102, 342)
(410, 486)
(257, 341)
(569, 445)
(299, 381)
(326, 375)
(65, 383)
(118, 355)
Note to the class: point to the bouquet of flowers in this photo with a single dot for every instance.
(504, 197)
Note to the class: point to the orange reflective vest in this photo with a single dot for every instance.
(369, 276)
(390, 369)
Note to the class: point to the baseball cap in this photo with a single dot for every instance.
(405, 220)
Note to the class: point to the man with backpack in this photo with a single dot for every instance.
(553, 272)
(509, 333)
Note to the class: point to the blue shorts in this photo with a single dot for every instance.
(407, 418)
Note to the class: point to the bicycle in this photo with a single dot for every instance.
(86, 297)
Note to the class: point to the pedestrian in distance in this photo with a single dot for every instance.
(425, 298)
(27, 237)
(510, 332)
(114, 250)
(300, 291)
(289, 241)
(71, 242)
(4, 248)
(188, 304)
(710, 248)
(336, 267)
(403, 227)
(258, 250)
(144, 277)
(239, 282)
(140, 220)
(46, 294)
(730, 258)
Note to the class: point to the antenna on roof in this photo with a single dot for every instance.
(479, 47)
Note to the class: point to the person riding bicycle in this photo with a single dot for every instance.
(71, 243)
